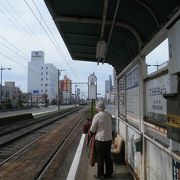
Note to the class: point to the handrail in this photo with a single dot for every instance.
(165, 149)
(138, 131)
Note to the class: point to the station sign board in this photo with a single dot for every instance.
(122, 102)
(156, 104)
(92, 87)
(155, 88)
(132, 94)
(160, 111)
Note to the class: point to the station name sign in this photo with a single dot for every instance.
(92, 87)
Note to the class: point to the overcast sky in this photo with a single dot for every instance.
(23, 30)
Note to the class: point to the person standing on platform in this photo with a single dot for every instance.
(102, 127)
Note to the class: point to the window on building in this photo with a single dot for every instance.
(46, 73)
(46, 67)
(41, 90)
(46, 90)
(41, 73)
(46, 79)
(41, 79)
(41, 84)
(41, 67)
(46, 85)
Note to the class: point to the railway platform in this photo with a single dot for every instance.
(83, 170)
(40, 160)
(86, 172)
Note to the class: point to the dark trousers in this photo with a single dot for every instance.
(103, 151)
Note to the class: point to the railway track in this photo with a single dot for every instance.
(25, 123)
(50, 162)
(15, 134)
(33, 154)
(13, 141)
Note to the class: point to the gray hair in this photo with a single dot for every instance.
(100, 106)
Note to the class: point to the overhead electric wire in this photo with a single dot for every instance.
(24, 23)
(14, 46)
(10, 18)
(39, 23)
(45, 22)
(18, 50)
(13, 51)
(26, 57)
(11, 59)
(59, 50)
(18, 62)
(15, 60)
(18, 55)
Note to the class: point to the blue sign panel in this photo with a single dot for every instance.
(35, 91)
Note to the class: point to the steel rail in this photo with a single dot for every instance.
(47, 165)
(18, 152)
(23, 134)
(20, 125)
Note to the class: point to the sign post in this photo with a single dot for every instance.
(92, 90)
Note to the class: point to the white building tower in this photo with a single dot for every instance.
(42, 78)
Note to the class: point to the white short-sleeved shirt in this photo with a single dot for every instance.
(102, 126)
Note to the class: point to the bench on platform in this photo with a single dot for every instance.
(118, 150)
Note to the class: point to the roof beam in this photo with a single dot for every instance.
(92, 36)
(123, 44)
(160, 35)
(82, 46)
(149, 10)
(81, 35)
(77, 20)
(132, 30)
(92, 56)
(111, 30)
(104, 17)
(99, 21)
(92, 59)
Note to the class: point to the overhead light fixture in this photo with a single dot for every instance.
(100, 50)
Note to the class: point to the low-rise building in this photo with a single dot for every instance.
(11, 95)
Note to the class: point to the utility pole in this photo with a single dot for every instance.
(59, 74)
(76, 85)
(1, 78)
(76, 94)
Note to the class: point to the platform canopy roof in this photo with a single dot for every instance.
(129, 27)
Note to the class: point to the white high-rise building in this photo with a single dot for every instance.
(42, 78)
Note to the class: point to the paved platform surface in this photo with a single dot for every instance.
(86, 172)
